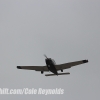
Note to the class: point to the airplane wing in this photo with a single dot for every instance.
(70, 64)
(36, 68)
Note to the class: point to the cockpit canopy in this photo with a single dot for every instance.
(54, 61)
(50, 61)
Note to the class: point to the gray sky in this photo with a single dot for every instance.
(65, 30)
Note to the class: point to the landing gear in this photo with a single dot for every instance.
(61, 70)
(41, 72)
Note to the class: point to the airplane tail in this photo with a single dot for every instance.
(58, 74)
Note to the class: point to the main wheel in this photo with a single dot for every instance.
(41, 72)
(61, 70)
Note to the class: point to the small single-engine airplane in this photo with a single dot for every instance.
(51, 66)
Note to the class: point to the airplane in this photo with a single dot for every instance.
(51, 66)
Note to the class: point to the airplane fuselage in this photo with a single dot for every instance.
(51, 66)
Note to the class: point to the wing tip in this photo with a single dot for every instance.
(85, 61)
(18, 67)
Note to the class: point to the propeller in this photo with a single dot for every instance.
(46, 56)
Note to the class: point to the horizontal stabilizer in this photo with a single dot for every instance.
(58, 74)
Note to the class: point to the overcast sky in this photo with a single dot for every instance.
(65, 30)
